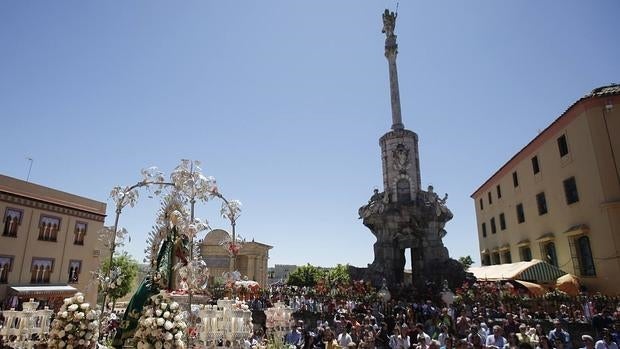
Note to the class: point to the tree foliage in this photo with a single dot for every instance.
(309, 275)
(129, 270)
(466, 261)
(306, 275)
(339, 275)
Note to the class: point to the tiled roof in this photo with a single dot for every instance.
(612, 89)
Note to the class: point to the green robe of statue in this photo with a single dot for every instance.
(147, 289)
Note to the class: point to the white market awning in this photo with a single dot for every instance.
(42, 290)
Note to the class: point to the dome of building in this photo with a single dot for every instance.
(215, 237)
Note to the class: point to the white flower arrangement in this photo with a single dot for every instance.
(161, 325)
(75, 326)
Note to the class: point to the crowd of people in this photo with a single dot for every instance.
(486, 318)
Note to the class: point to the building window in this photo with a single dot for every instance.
(74, 271)
(582, 255)
(526, 253)
(496, 259)
(79, 232)
(499, 191)
(12, 221)
(6, 265)
(490, 198)
(481, 205)
(535, 165)
(486, 259)
(502, 221)
(41, 270)
(493, 227)
(507, 257)
(484, 230)
(520, 213)
(48, 228)
(570, 190)
(515, 179)
(562, 146)
(403, 190)
(542, 203)
(549, 253)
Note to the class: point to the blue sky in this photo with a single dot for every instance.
(284, 102)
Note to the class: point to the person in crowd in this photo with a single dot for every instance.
(602, 320)
(477, 343)
(606, 341)
(474, 331)
(588, 342)
(543, 343)
(421, 342)
(307, 340)
(462, 344)
(329, 339)
(538, 334)
(484, 330)
(318, 337)
(615, 332)
(293, 337)
(344, 338)
(257, 338)
(397, 340)
(382, 338)
(558, 333)
(443, 335)
(513, 341)
(511, 325)
(522, 335)
(420, 332)
(496, 340)
(448, 343)
(462, 325)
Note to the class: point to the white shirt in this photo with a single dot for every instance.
(601, 344)
(399, 342)
(344, 339)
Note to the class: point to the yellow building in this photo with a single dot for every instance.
(558, 198)
(48, 245)
(251, 260)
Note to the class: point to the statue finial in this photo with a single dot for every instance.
(389, 23)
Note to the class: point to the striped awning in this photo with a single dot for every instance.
(534, 271)
(542, 272)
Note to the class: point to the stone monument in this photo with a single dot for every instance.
(403, 215)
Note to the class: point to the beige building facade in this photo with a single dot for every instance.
(251, 260)
(558, 198)
(48, 241)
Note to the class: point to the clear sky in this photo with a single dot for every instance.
(284, 102)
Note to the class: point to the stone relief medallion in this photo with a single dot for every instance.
(400, 156)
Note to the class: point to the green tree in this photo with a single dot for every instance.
(466, 262)
(129, 270)
(306, 275)
(338, 275)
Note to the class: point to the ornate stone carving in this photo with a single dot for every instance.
(400, 156)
